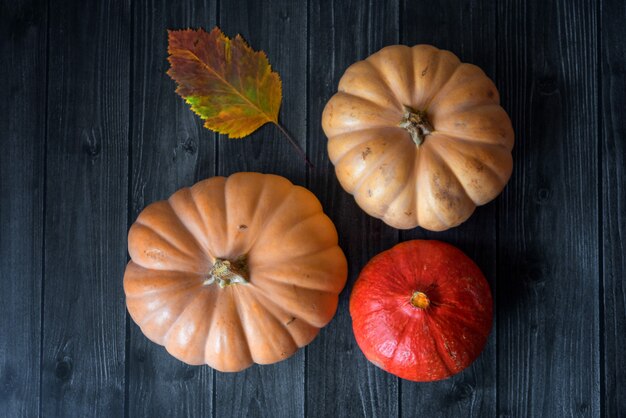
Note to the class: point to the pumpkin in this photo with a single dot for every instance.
(421, 310)
(418, 137)
(234, 271)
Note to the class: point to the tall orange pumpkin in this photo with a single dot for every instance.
(418, 137)
(234, 271)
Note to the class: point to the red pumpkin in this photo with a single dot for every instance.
(421, 310)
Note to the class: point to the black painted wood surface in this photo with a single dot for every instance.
(91, 132)
(23, 41)
(85, 206)
(169, 149)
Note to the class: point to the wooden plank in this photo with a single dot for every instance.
(86, 209)
(467, 29)
(340, 381)
(278, 27)
(170, 149)
(613, 172)
(548, 269)
(23, 26)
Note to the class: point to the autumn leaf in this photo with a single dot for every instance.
(228, 84)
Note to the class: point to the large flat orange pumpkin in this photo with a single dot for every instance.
(234, 271)
(418, 137)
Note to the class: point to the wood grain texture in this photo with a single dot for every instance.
(23, 27)
(278, 27)
(613, 185)
(472, 392)
(92, 76)
(170, 149)
(86, 208)
(340, 381)
(548, 269)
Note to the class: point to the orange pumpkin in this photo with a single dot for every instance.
(418, 137)
(234, 271)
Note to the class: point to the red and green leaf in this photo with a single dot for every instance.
(228, 84)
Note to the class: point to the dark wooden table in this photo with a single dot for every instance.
(91, 132)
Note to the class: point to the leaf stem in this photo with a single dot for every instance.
(294, 144)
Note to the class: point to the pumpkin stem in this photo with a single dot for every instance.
(420, 300)
(226, 272)
(417, 124)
